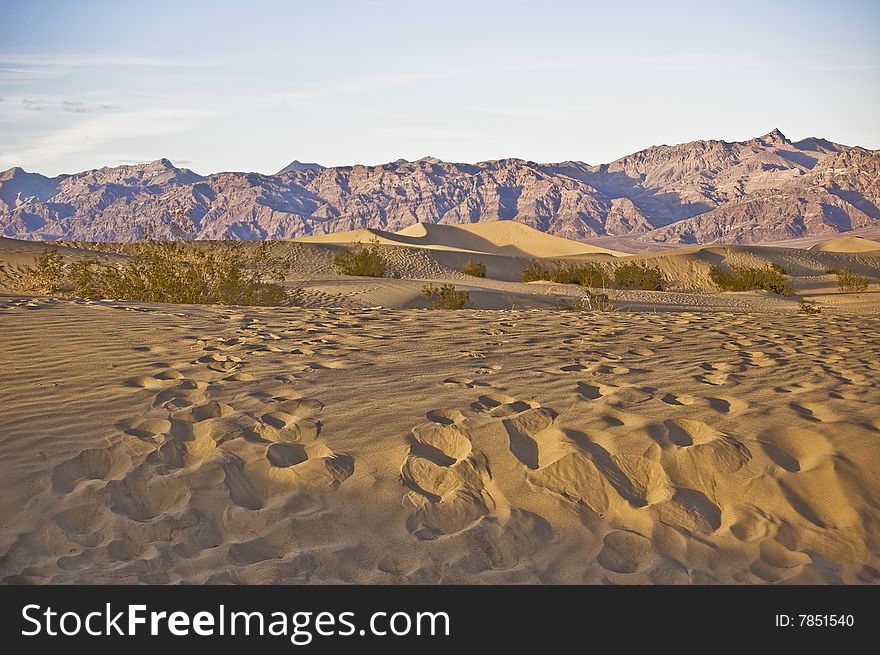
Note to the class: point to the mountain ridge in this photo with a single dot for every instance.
(709, 191)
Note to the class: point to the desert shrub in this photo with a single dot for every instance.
(587, 274)
(639, 276)
(533, 272)
(46, 276)
(445, 297)
(593, 301)
(474, 268)
(742, 278)
(808, 307)
(849, 281)
(363, 260)
(561, 274)
(591, 275)
(169, 272)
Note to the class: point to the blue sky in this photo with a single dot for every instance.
(253, 85)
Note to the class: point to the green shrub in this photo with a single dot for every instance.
(849, 281)
(808, 307)
(362, 260)
(445, 297)
(474, 268)
(169, 272)
(534, 272)
(639, 276)
(587, 274)
(744, 278)
(46, 276)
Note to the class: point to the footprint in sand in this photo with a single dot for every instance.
(285, 457)
(678, 400)
(727, 405)
(90, 464)
(814, 412)
(716, 378)
(499, 405)
(446, 480)
(625, 552)
(615, 395)
(464, 383)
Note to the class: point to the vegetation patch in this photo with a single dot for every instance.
(168, 272)
(362, 260)
(587, 274)
(808, 307)
(639, 276)
(474, 268)
(740, 278)
(591, 301)
(850, 281)
(445, 297)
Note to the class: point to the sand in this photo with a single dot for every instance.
(688, 437)
(490, 237)
(849, 244)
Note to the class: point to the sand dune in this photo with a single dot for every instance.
(689, 436)
(848, 244)
(315, 282)
(212, 444)
(491, 237)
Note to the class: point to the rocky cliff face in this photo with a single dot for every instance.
(766, 188)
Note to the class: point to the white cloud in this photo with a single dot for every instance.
(100, 133)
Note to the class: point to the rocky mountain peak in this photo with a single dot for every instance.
(775, 136)
(765, 188)
(297, 165)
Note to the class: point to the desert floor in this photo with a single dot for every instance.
(158, 443)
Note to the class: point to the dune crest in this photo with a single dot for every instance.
(848, 244)
(491, 237)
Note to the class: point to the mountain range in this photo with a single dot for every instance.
(763, 189)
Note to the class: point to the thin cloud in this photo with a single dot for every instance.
(74, 106)
(83, 61)
(25, 68)
(31, 104)
(79, 107)
(100, 134)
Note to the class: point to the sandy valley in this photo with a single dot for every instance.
(689, 436)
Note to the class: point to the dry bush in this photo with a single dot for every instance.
(362, 260)
(639, 276)
(169, 272)
(591, 301)
(850, 281)
(533, 272)
(474, 268)
(770, 278)
(445, 297)
(587, 274)
(47, 276)
(808, 307)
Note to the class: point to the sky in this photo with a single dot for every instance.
(251, 86)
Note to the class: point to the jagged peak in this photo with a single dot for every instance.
(297, 165)
(775, 136)
(10, 173)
